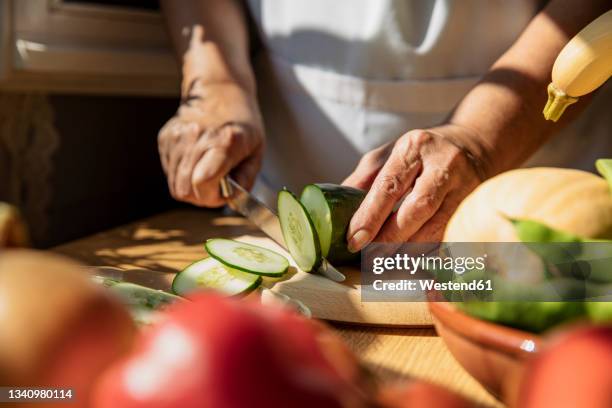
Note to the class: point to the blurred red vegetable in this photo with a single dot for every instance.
(420, 394)
(223, 353)
(574, 371)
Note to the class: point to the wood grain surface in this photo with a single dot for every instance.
(170, 241)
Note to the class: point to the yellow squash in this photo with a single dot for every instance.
(583, 65)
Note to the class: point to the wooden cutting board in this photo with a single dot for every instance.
(169, 242)
(341, 302)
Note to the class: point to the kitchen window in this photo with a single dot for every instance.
(99, 47)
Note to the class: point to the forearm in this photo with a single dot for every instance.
(503, 113)
(211, 39)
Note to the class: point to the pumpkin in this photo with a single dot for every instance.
(572, 201)
(533, 205)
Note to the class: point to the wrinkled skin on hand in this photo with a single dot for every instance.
(432, 171)
(216, 131)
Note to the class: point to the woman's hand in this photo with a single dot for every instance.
(433, 169)
(217, 130)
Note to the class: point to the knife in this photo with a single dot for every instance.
(266, 220)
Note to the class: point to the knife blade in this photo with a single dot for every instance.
(265, 219)
(252, 209)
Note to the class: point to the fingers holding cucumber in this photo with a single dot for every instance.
(425, 175)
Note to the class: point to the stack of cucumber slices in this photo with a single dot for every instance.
(315, 226)
(233, 268)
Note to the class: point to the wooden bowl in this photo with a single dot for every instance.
(490, 352)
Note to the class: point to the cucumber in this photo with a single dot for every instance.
(246, 257)
(299, 232)
(331, 207)
(142, 302)
(209, 273)
(137, 295)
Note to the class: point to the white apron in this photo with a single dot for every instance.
(339, 78)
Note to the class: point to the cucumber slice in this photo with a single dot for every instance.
(299, 232)
(136, 295)
(209, 273)
(247, 257)
(331, 207)
(142, 302)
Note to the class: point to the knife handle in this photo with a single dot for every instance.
(226, 187)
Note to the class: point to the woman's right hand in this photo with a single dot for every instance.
(216, 130)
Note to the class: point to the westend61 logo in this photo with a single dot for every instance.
(487, 271)
(412, 264)
(412, 270)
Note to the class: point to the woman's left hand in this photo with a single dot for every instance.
(431, 170)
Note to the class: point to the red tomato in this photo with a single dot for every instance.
(420, 394)
(575, 371)
(224, 353)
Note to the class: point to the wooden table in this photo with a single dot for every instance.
(169, 241)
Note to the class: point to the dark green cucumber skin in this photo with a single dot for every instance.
(343, 202)
(250, 289)
(317, 243)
